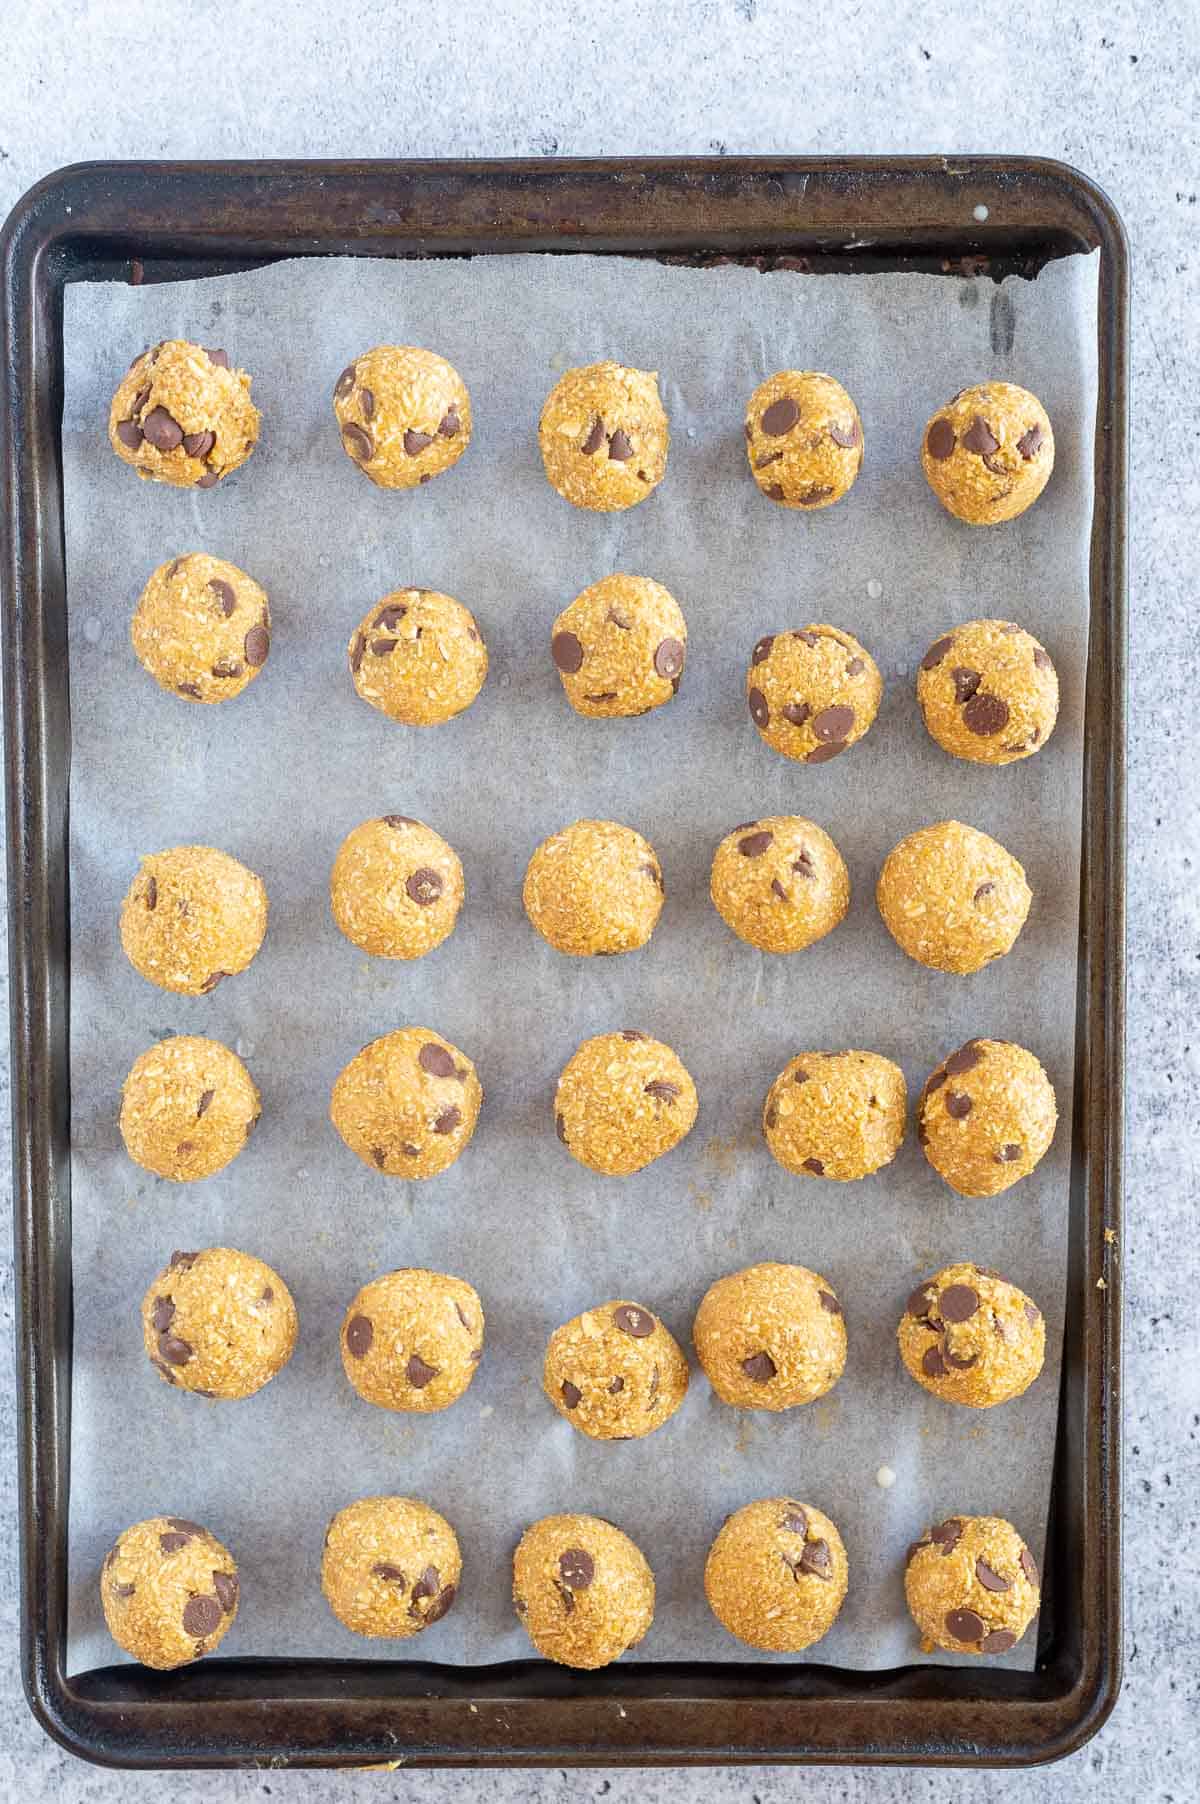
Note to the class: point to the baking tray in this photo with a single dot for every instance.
(970, 218)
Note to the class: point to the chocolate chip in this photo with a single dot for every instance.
(366, 401)
(958, 1361)
(571, 1394)
(760, 1367)
(418, 1373)
(990, 1579)
(965, 1625)
(424, 886)
(999, 1641)
(632, 1320)
(755, 844)
(577, 1567)
(914, 1548)
(985, 889)
(855, 667)
(358, 442)
(163, 432)
(620, 448)
(985, 715)
(220, 358)
(816, 1559)
(655, 875)
(567, 652)
(816, 1166)
(932, 1363)
(777, 889)
(184, 1525)
(661, 1090)
(845, 436)
(560, 1127)
(448, 1120)
(1029, 1566)
(958, 1105)
(936, 653)
(208, 480)
(821, 754)
(182, 1261)
(268, 1295)
(449, 426)
(775, 492)
(668, 659)
(441, 1604)
(164, 1371)
(829, 1302)
(762, 650)
(435, 1060)
(780, 417)
(383, 648)
(360, 1332)
(416, 442)
(920, 1302)
(191, 689)
(594, 439)
(747, 428)
(655, 1381)
(1030, 442)
(226, 1587)
(980, 438)
(379, 1155)
(176, 1352)
(345, 382)
(389, 618)
(966, 682)
(939, 440)
(965, 1059)
(958, 1303)
(122, 1590)
(833, 723)
(256, 646)
(935, 1080)
(173, 1542)
(199, 444)
(810, 497)
(163, 1314)
(796, 1520)
(428, 1585)
(769, 457)
(796, 712)
(391, 1575)
(947, 1534)
(617, 1386)
(130, 434)
(807, 636)
(357, 652)
(760, 714)
(201, 1615)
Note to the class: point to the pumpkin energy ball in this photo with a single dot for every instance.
(970, 1337)
(182, 416)
(776, 1575)
(583, 1591)
(412, 1340)
(418, 657)
(169, 1591)
(604, 436)
(192, 916)
(623, 1100)
(218, 1323)
(396, 887)
(404, 415)
(187, 1108)
(407, 1104)
(615, 1372)
(620, 647)
(202, 628)
(391, 1567)
(813, 692)
(770, 1337)
(836, 1114)
(804, 439)
(988, 453)
(986, 1117)
(780, 884)
(988, 692)
(972, 1585)
(594, 888)
(952, 897)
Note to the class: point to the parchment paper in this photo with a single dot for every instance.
(278, 776)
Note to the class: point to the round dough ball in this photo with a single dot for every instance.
(604, 436)
(986, 1117)
(770, 1337)
(594, 888)
(623, 1100)
(836, 1114)
(418, 656)
(988, 453)
(620, 647)
(952, 897)
(187, 1108)
(970, 1337)
(988, 692)
(169, 1591)
(218, 1323)
(202, 628)
(192, 916)
(776, 1575)
(972, 1585)
(404, 415)
(779, 883)
(391, 1566)
(181, 415)
(407, 1104)
(396, 887)
(813, 692)
(804, 439)
(582, 1589)
(412, 1340)
(615, 1372)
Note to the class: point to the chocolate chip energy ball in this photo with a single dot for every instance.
(779, 883)
(952, 897)
(187, 1108)
(988, 453)
(986, 1116)
(181, 415)
(418, 657)
(604, 436)
(813, 692)
(776, 1575)
(192, 916)
(615, 1372)
(404, 415)
(836, 1114)
(169, 1591)
(218, 1323)
(412, 1340)
(583, 1591)
(396, 887)
(623, 1100)
(970, 1337)
(391, 1567)
(620, 647)
(407, 1104)
(988, 692)
(202, 628)
(594, 888)
(972, 1586)
(771, 1337)
(804, 439)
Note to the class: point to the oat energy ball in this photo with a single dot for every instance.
(169, 1591)
(952, 898)
(391, 1566)
(218, 1323)
(804, 439)
(813, 692)
(418, 657)
(620, 647)
(776, 1575)
(770, 1337)
(604, 436)
(779, 883)
(202, 628)
(972, 1585)
(988, 453)
(396, 887)
(404, 415)
(412, 1340)
(181, 415)
(836, 1114)
(986, 1116)
(988, 692)
(594, 888)
(407, 1104)
(582, 1590)
(623, 1100)
(970, 1337)
(192, 916)
(187, 1108)
(615, 1372)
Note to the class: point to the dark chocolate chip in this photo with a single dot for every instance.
(990, 1579)
(980, 438)
(760, 714)
(577, 1567)
(796, 712)
(1029, 1566)
(958, 1105)
(205, 1103)
(428, 1585)
(172, 1543)
(366, 401)
(811, 496)
(199, 444)
(191, 689)
(383, 648)
(163, 432)
(1030, 442)
(932, 1363)
(345, 382)
(449, 426)
(985, 715)
(985, 889)
(999, 1641)
(755, 844)
(416, 442)
(1041, 658)
(947, 1534)
(418, 1373)
(201, 1615)
(817, 1559)
(391, 1575)
(358, 441)
(257, 645)
(448, 1120)
(939, 440)
(775, 492)
(226, 1587)
(560, 1127)
(661, 1090)
(833, 723)
(634, 1321)
(965, 1059)
(821, 754)
(567, 652)
(965, 1625)
(958, 1303)
(163, 1314)
(594, 439)
(207, 480)
(816, 1166)
(768, 458)
(175, 1351)
(920, 1302)
(389, 618)
(958, 1361)
(780, 417)
(760, 1367)
(855, 667)
(796, 1520)
(617, 1386)
(360, 1332)
(914, 1548)
(966, 682)
(620, 447)
(182, 1261)
(845, 436)
(122, 1590)
(399, 820)
(668, 659)
(571, 1394)
(777, 889)
(130, 434)
(762, 650)
(220, 358)
(435, 1060)
(829, 1302)
(936, 653)
(424, 886)
(441, 1604)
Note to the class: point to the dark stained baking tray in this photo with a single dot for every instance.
(971, 218)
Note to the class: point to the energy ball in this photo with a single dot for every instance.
(391, 1566)
(986, 1116)
(804, 439)
(972, 1585)
(770, 1337)
(202, 628)
(187, 1108)
(604, 436)
(418, 657)
(396, 887)
(583, 1591)
(594, 888)
(407, 1104)
(169, 1591)
(192, 916)
(779, 883)
(776, 1575)
(412, 1340)
(970, 1337)
(218, 1323)
(988, 453)
(404, 415)
(988, 692)
(181, 415)
(620, 647)
(952, 897)
(813, 692)
(836, 1114)
(623, 1100)
(615, 1372)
